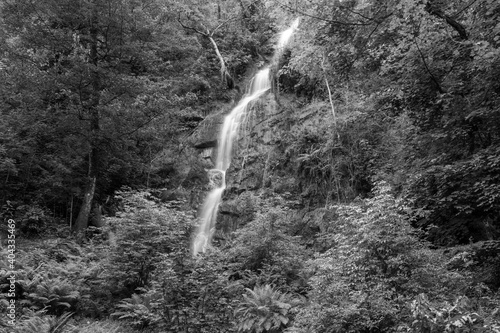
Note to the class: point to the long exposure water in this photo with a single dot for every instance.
(228, 135)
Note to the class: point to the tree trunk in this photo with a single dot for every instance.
(435, 10)
(223, 69)
(82, 220)
(331, 101)
(329, 96)
(96, 216)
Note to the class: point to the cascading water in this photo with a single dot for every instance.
(229, 132)
(286, 35)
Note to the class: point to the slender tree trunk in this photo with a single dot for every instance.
(71, 213)
(331, 101)
(82, 220)
(223, 69)
(96, 216)
(329, 95)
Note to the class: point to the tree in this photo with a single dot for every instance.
(431, 63)
(236, 28)
(209, 34)
(92, 109)
(89, 81)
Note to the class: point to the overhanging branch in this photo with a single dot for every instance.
(369, 20)
(190, 28)
(438, 12)
(225, 76)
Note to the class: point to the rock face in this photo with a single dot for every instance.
(259, 166)
(204, 138)
(255, 144)
(216, 178)
(236, 212)
(253, 167)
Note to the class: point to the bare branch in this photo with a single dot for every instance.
(225, 76)
(369, 20)
(356, 13)
(191, 28)
(323, 19)
(222, 24)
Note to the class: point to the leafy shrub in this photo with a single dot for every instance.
(462, 199)
(139, 310)
(333, 159)
(33, 219)
(104, 326)
(37, 322)
(458, 316)
(62, 250)
(59, 275)
(151, 265)
(55, 295)
(481, 260)
(197, 295)
(264, 250)
(144, 232)
(365, 281)
(264, 309)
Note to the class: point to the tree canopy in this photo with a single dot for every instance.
(363, 193)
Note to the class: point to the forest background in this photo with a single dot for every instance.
(364, 194)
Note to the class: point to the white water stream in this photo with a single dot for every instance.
(228, 135)
(286, 35)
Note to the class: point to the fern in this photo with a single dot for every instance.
(46, 324)
(139, 309)
(103, 327)
(264, 309)
(55, 295)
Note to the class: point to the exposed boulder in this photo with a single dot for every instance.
(236, 212)
(206, 144)
(206, 133)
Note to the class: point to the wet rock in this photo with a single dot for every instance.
(207, 132)
(230, 208)
(216, 178)
(206, 144)
(235, 213)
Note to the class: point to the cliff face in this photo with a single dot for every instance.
(263, 167)
(252, 169)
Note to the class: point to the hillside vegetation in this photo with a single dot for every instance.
(363, 194)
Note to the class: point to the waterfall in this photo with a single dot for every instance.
(260, 84)
(287, 34)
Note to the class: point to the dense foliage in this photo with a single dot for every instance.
(364, 192)
(430, 69)
(99, 91)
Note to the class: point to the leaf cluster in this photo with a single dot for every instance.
(375, 266)
(264, 309)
